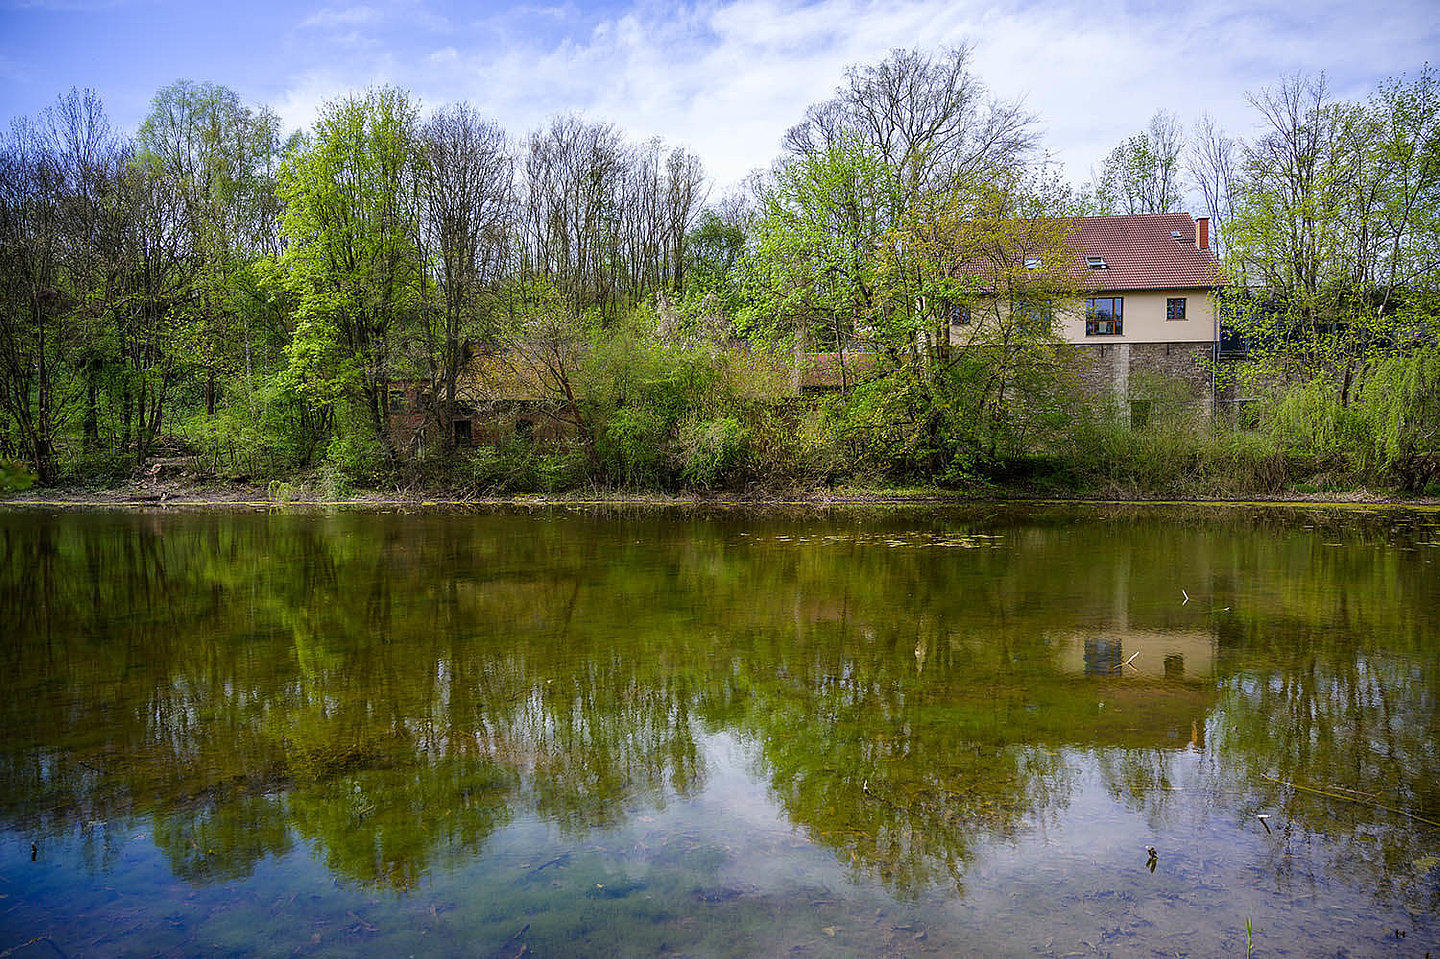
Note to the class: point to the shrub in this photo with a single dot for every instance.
(633, 446)
(708, 452)
(14, 477)
(799, 444)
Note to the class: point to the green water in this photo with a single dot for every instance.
(596, 732)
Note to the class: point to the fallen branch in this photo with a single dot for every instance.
(1355, 799)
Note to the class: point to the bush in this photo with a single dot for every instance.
(1175, 450)
(272, 434)
(799, 445)
(98, 469)
(633, 446)
(516, 466)
(708, 452)
(352, 458)
(14, 477)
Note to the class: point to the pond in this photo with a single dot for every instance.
(600, 731)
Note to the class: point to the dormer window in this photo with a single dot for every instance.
(1095, 262)
(1179, 237)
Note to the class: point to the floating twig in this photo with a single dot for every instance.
(1355, 799)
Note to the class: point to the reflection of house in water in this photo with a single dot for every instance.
(1154, 654)
(1102, 657)
(1149, 687)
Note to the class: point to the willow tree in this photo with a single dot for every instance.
(352, 209)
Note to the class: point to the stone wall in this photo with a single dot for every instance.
(1113, 367)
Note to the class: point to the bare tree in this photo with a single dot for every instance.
(928, 118)
(1211, 163)
(58, 175)
(149, 297)
(606, 221)
(1142, 175)
(573, 178)
(1292, 175)
(466, 230)
(684, 196)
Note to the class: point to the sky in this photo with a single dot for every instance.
(722, 78)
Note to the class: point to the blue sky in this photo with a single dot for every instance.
(721, 77)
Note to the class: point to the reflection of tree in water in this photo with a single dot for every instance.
(292, 675)
(223, 837)
(393, 688)
(1334, 734)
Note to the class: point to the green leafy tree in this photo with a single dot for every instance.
(812, 267)
(1334, 227)
(220, 157)
(862, 166)
(352, 209)
(713, 252)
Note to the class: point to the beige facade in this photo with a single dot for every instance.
(1146, 318)
(1148, 653)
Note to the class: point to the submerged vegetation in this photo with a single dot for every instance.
(392, 300)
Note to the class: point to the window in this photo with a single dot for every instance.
(1032, 263)
(398, 401)
(1105, 316)
(1095, 262)
(463, 434)
(1175, 308)
(960, 315)
(1034, 317)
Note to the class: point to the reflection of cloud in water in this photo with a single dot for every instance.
(735, 787)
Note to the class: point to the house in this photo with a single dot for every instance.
(1149, 306)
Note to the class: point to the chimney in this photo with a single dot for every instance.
(1202, 232)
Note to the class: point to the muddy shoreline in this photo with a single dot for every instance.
(181, 495)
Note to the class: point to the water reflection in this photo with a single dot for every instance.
(391, 693)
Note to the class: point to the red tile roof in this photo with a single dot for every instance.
(1141, 254)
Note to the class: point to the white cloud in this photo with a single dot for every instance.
(346, 17)
(727, 78)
